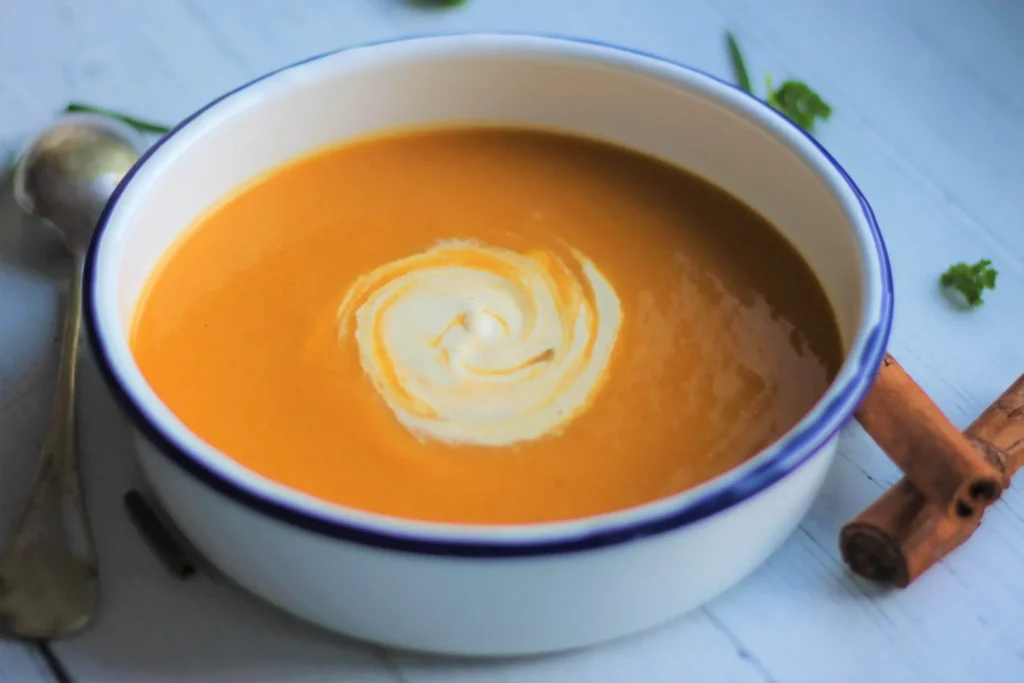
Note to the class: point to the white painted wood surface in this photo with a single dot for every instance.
(929, 106)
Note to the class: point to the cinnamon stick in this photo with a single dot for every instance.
(899, 536)
(934, 456)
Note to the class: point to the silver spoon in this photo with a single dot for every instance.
(49, 584)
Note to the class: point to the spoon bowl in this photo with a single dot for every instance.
(67, 174)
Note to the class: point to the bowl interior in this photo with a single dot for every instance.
(678, 115)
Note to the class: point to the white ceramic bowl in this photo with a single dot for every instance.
(487, 590)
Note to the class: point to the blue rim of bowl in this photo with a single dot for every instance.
(802, 443)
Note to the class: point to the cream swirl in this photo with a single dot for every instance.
(481, 345)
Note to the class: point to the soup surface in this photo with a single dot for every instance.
(485, 325)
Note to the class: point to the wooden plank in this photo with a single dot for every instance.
(23, 664)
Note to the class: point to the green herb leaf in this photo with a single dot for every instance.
(970, 280)
(739, 66)
(795, 99)
(138, 124)
(799, 102)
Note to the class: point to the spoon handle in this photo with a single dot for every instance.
(48, 573)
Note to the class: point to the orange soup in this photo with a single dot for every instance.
(485, 325)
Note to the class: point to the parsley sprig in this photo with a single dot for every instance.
(799, 102)
(795, 99)
(804, 107)
(970, 280)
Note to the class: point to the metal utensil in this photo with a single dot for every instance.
(49, 584)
